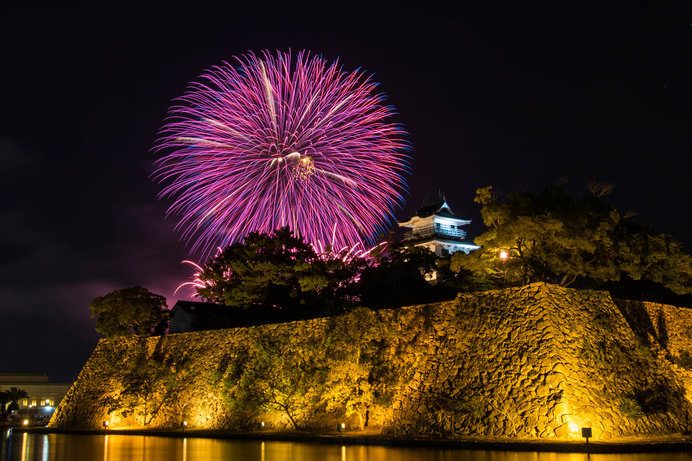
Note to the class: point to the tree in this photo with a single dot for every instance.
(153, 386)
(4, 400)
(144, 389)
(14, 395)
(397, 278)
(356, 381)
(131, 311)
(276, 377)
(277, 271)
(552, 238)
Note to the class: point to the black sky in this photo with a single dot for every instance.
(501, 94)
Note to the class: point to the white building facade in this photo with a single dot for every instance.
(438, 229)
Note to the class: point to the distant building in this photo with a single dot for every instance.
(44, 395)
(438, 229)
(189, 316)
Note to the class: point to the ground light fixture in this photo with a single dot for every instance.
(105, 425)
(25, 422)
(183, 425)
(586, 433)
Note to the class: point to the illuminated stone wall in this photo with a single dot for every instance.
(537, 361)
(666, 330)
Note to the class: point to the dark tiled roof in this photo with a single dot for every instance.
(209, 316)
(197, 307)
(437, 209)
(417, 239)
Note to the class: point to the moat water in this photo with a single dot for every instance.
(73, 447)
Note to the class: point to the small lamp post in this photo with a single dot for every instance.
(105, 425)
(183, 425)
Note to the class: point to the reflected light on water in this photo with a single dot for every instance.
(115, 447)
(25, 437)
(45, 448)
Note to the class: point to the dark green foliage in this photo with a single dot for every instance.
(650, 400)
(629, 407)
(595, 353)
(462, 404)
(603, 321)
(398, 278)
(13, 396)
(275, 378)
(340, 371)
(359, 378)
(278, 271)
(4, 400)
(472, 406)
(448, 410)
(646, 290)
(152, 384)
(654, 399)
(142, 382)
(684, 359)
(451, 282)
(551, 238)
(131, 311)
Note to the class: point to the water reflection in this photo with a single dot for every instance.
(114, 447)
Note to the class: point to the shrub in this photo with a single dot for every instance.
(629, 407)
(684, 359)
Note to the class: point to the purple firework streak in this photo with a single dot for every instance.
(275, 142)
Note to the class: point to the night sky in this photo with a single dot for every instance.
(502, 94)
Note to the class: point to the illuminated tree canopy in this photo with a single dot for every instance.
(280, 271)
(552, 238)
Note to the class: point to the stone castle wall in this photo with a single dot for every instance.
(539, 361)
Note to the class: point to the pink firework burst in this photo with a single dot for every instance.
(281, 141)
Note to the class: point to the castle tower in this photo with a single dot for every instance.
(437, 228)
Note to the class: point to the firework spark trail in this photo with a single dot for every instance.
(323, 251)
(277, 141)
